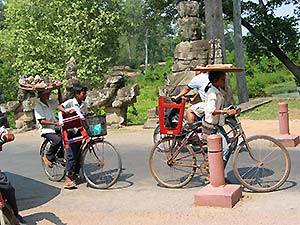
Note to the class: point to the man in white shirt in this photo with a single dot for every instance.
(46, 121)
(199, 82)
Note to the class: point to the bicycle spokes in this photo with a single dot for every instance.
(262, 164)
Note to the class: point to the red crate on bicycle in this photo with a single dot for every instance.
(166, 123)
(74, 120)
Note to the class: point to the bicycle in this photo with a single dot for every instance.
(101, 163)
(260, 163)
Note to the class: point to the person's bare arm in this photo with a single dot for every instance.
(230, 112)
(195, 96)
(62, 109)
(46, 122)
(183, 92)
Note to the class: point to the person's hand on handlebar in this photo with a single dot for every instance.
(231, 112)
(174, 98)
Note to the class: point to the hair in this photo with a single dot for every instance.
(78, 89)
(213, 76)
(40, 93)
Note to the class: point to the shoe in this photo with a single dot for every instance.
(77, 178)
(20, 219)
(69, 183)
(47, 162)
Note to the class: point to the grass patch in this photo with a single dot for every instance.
(138, 113)
(282, 88)
(11, 119)
(149, 83)
(270, 111)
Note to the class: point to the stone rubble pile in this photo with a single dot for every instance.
(28, 82)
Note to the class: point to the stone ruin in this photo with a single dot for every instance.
(191, 51)
(115, 98)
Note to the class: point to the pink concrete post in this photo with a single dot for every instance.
(283, 117)
(215, 160)
(287, 139)
(217, 193)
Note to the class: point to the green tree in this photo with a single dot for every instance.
(1, 15)
(40, 36)
(269, 33)
(148, 34)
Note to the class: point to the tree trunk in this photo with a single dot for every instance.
(239, 52)
(275, 49)
(215, 30)
(129, 48)
(146, 50)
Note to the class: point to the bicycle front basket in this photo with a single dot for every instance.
(97, 125)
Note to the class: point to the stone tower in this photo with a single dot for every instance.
(191, 51)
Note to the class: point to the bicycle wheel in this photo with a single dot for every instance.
(156, 134)
(264, 166)
(170, 168)
(101, 164)
(57, 172)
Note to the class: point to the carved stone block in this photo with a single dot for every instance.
(29, 104)
(188, 9)
(190, 28)
(192, 50)
(9, 106)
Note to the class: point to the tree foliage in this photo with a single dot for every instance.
(269, 33)
(146, 25)
(281, 31)
(40, 36)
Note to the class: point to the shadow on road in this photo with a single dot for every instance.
(31, 193)
(287, 185)
(123, 181)
(43, 216)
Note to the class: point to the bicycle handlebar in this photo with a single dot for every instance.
(235, 107)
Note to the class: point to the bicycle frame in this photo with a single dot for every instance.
(191, 133)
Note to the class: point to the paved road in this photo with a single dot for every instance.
(136, 198)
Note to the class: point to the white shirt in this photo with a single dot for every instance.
(74, 103)
(214, 100)
(199, 82)
(3, 131)
(43, 111)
